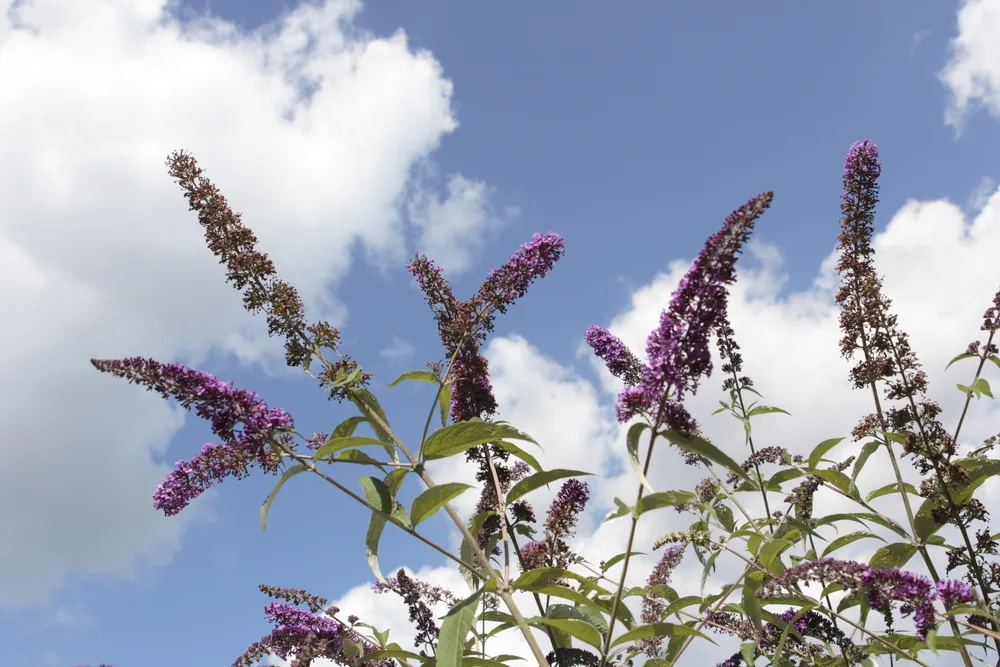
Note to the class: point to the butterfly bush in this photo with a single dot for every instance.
(569, 610)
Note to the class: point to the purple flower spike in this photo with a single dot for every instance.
(882, 587)
(616, 356)
(244, 422)
(532, 261)
(677, 352)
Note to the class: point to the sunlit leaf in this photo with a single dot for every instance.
(539, 479)
(430, 500)
(457, 438)
(416, 376)
(454, 629)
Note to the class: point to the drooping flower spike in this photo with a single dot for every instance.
(244, 423)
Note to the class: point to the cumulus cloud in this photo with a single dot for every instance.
(453, 227)
(972, 75)
(309, 126)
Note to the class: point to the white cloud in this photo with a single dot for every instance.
(980, 195)
(453, 228)
(102, 259)
(973, 72)
(397, 350)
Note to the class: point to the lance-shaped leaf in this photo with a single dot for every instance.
(454, 629)
(347, 427)
(702, 447)
(415, 376)
(380, 494)
(334, 445)
(287, 475)
(457, 438)
(651, 630)
(432, 499)
(519, 453)
(844, 540)
(663, 499)
(539, 479)
(892, 555)
(820, 450)
(632, 445)
(444, 402)
(373, 412)
(582, 630)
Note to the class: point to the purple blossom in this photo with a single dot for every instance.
(677, 351)
(552, 550)
(861, 164)
(621, 362)
(532, 261)
(244, 422)
(882, 587)
(954, 593)
(307, 636)
(652, 606)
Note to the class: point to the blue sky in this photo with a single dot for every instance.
(631, 131)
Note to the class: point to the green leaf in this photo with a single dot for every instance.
(702, 447)
(417, 376)
(379, 494)
(709, 567)
(765, 410)
(772, 550)
(617, 558)
(391, 653)
(751, 605)
(964, 355)
(444, 402)
(725, 516)
(867, 450)
(632, 443)
(431, 500)
(892, 555)
(622, 510)
(582, 630)
(844, 540)
(889, 489)
(454, 629)
(663, 499)
(659, 630)
(346, 428)
(334, 445)
(834, 477)
(539, 479)
(541, 577)
(981, 386)
(566, 594)
(995, 359)
(357, 456)
(519, 453)
(457, 438)
(287, 475)
(821, 449)
(370, 408)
